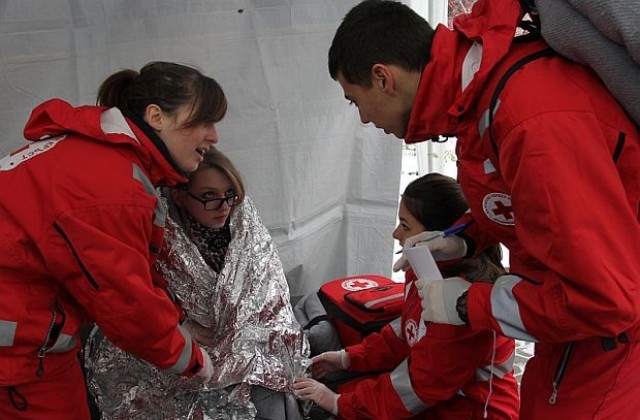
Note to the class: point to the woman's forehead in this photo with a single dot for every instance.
(211, 177)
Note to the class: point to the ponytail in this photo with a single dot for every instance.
(113, 92)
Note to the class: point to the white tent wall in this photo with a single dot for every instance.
(326, 185)
(431, 156)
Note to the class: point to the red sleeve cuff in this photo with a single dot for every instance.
(479, 306)
(196, 363)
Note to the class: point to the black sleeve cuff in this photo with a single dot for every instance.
(461, 307)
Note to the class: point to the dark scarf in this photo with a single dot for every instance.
(212, 243)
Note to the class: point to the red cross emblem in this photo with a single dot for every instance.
(498, 208)
(411, 332)
(358, 284)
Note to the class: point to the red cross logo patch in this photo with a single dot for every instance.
(353, 285)
(411, 332)
(414, 331)
(497, 207)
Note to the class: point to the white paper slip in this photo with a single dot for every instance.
(422, 262)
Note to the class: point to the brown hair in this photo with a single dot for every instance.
(168, 85)
(217, 160)
(437, 202)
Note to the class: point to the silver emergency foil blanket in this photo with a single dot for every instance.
(257, 338)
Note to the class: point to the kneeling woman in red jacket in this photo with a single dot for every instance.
(433, 371)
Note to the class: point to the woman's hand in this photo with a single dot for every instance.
(443, 248)
(202, 335)
(309, 389)
(328, 362)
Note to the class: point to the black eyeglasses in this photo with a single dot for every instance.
(215, 203)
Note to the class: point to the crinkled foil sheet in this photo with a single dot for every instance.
(257, 339)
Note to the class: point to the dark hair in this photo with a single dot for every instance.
(217, 160)
(379, 31)
(168, 85)
(437, 202)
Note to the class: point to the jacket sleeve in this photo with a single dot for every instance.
(100, 255)
(439, 365)
(578, 270)
(380, 351)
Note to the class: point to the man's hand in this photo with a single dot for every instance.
(206, 373)
(442, 248)
(439, 299)
(309, 389)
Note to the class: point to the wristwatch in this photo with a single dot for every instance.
(462, 307)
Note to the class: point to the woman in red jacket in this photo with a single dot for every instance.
(80, 226)
(435, 371)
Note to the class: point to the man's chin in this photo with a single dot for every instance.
(388, 132)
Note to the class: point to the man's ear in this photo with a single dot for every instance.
(154, 116)
(382, 76)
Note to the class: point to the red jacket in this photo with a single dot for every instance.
(80, 223)
(443, 369)
(561, 189)
(559, 195)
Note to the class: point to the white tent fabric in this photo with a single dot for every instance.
(325, 185)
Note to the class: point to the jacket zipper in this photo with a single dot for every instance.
(560, 370)
(43, 348)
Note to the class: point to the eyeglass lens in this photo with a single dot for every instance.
(216, 203)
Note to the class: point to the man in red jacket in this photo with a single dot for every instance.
(549, 163)
(80, 226)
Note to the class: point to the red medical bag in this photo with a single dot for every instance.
(360, 305)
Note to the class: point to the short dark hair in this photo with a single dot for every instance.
(437, 202)
(168, 85)
(379, 31)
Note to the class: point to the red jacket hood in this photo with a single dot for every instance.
(441, 101)
(56, 117)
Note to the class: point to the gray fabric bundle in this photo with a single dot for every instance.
(602, 34)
